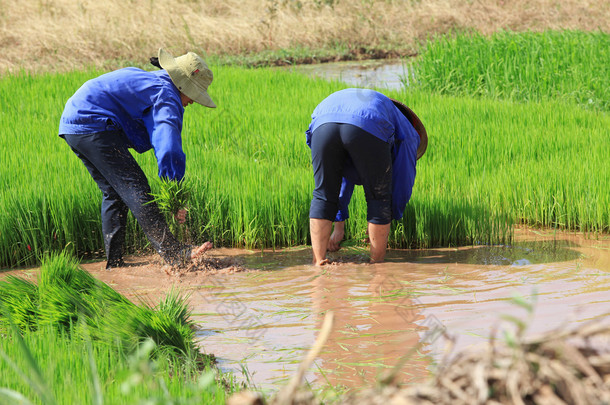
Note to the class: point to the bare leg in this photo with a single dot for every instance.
(320, 230)
(378, 235)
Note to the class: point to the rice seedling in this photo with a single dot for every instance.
(491, 164)
(76, 340)
(570, 66)
(171, 198)
(65, 294)
(80, 371)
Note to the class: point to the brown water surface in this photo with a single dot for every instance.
(385, 74)
(264, 320)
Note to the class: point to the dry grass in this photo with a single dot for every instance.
(557, 368)
(59, 35)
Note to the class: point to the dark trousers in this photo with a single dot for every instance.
(337, 148)
(124, 186)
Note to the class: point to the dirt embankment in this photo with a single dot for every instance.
(58, 35)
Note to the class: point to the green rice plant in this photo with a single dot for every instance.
(571, 66)
(175, 306)
(74, 339)
(490, 164)
(53, 367)
(34, 377)
(65, 294)
(20, 296)
(171, 197)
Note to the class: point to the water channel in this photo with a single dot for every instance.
(381, 74)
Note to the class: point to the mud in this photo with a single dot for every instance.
(259, 312)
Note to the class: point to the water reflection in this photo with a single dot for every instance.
(376, 323)
(266, 320)
(390, 74)
(516, 254)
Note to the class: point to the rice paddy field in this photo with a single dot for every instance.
(519, 134)
(493, 161)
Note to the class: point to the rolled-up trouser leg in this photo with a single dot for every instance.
(114, 169)
(328, 157)
(372, 158)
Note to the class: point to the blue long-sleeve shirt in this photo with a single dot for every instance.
(145, 105)
(376, 114)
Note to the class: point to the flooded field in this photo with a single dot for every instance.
(262, 321)
(389, 74)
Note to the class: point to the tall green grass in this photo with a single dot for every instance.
(490, 164)
(569, 66)
(71, 339)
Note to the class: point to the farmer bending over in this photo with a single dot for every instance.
(132, 108)
(360, 136)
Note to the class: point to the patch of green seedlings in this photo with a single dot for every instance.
(71, 339)
(570, 66)
(171, 198)
(490, 164)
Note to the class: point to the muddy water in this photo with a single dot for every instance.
(264, 320)
(382, 74)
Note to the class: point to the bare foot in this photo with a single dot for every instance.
(322, 262)
(198, 251)
(380, 258)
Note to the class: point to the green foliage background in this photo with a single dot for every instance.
(491, 162)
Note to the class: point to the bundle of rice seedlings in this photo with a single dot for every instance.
(71, 300)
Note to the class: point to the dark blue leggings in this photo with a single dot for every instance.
(124, 186)
(337, 148)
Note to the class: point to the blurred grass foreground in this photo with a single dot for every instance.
(70, 339)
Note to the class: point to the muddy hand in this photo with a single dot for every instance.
(180, 216)
(198, 251)
(334, 243)
(367, 238)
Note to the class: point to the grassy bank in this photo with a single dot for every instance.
(490, 164)
(60, 35)
(69, 338)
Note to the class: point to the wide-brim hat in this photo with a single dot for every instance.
(417, 124)
(190, 74)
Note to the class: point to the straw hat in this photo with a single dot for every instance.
(417, 124)
(190, 74)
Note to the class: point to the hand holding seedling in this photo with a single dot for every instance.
(334, 242)
(172, 199)
(180, 215)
